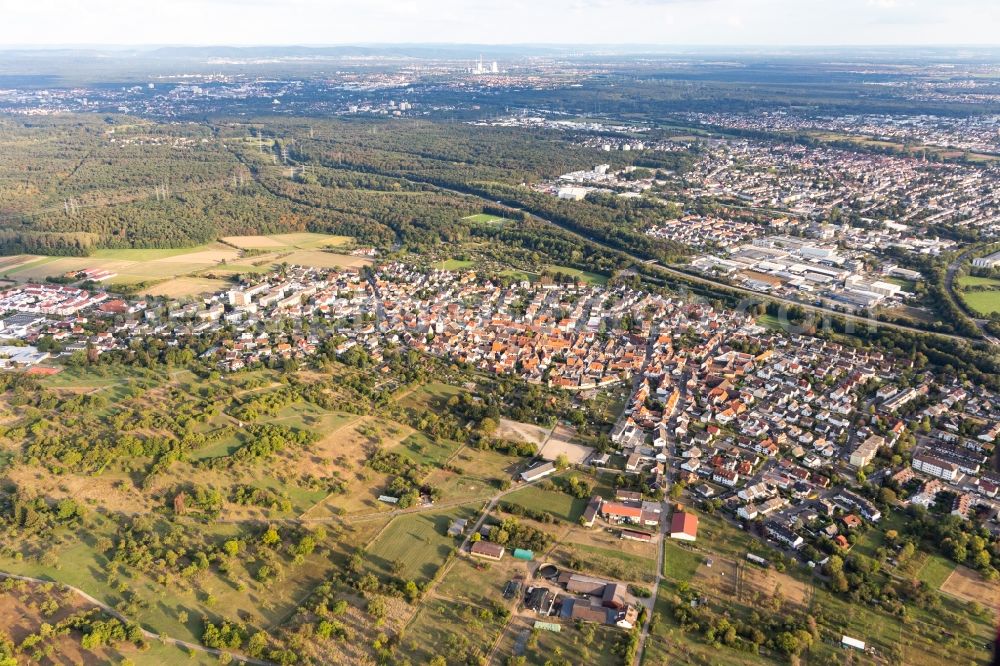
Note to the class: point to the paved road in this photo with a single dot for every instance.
(146, 634)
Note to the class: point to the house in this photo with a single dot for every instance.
(488, 550)
(628, 495)
(539, 471)
(616, 512)
(851, 521)
(726, 477)
(591, 512)
(684, 526)
(782, 534)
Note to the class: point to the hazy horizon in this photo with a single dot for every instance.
(640, 23)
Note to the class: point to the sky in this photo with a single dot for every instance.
(659, 22)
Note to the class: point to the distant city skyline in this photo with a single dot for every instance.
(622, 22)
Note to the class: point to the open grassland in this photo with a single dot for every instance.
(454, 264)
(983, 302)
(680, 562)
(485, 218)
(609, 562)
(304, 241)
(935, 570)
(180, 272)
(427, 450)
(583, 276)
(186, 286)
(554, 502)
(414, 546)
(974, 281)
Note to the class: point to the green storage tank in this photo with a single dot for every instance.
(523, 554)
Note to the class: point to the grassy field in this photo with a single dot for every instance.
(904, 284)
(432, 395)
(179, 272)
(304, 240)
(611, 563)
(427, 451)
(584, 276)
(555, 502)
(935, 571)
(680, 563)
(414, 546)
(974, 281)
(770, 322)
(983, 302)
(485, 218)
(454, 264)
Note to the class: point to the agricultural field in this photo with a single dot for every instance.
(192, 271)
(186, 286)
(300, 241)
(970, 586)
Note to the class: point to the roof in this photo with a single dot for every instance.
(487, 549)
(683, 522)
(538, 471)
(622, 510)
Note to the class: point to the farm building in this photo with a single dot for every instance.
(684, 526)
(616, 512)
(590, 513)
(538, 471)
(634, 535)
(487, 549)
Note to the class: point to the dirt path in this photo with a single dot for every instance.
(145, 633)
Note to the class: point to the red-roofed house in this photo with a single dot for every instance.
(684, 526)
